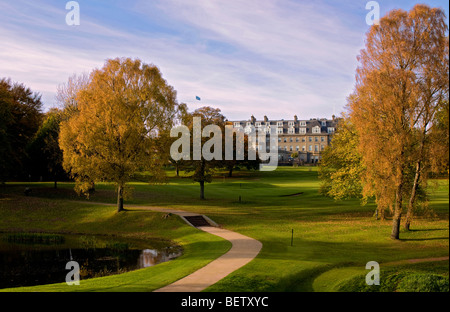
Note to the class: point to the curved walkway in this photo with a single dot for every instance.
(243, 250)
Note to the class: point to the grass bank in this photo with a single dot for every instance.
(41, 215)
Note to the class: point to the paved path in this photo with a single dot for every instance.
(243, 250)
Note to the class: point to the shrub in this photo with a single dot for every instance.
(424, 283)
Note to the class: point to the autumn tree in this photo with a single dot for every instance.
(122, 115)
(402, 76)
(439, 134)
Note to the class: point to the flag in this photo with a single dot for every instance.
(197, 98)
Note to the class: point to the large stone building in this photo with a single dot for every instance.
(306, 137)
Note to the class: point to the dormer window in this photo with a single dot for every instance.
(316, 129)
(303, 123)
(237, 124)
(330, 130)
(279, 124)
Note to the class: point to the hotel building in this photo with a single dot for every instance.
(308, 138)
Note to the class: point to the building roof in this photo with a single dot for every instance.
(295, 123)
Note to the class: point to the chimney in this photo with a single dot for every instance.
(295, 118)
(333, 117)
(253, 119)
(266, 119)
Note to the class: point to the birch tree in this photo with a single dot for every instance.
(402, 76)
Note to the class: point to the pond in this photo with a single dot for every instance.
(28, 259)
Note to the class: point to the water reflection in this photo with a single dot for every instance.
(150, 257)
(31, 264)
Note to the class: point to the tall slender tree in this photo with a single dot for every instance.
(403, 74)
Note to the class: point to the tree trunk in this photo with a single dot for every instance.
(230, 172)
(412, 198)
(396, 226)
(202, 189)
(120, 198)
(178, 170)
(397, 212)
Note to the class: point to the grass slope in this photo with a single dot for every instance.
(332, 240)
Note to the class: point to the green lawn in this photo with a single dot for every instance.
(332, 240)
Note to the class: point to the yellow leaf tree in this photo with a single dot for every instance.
(401, 79)
(122, 115)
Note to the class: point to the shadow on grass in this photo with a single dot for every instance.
(422, 239)
(428, 230)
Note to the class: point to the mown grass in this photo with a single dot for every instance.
(328, 235)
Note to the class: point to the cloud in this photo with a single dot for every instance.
(276, 58)
(294, 56)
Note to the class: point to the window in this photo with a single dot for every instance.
(303, 140)
(310, 148)
(291, 123)
(297, 139)
(310, 139)
(285, 140)
(322, 147)
(316, 129)
(303, 148)
(302, 130)
(280, 130)
(322, 139)
(258, 124)
(290, 140)
(279, 123)
(297, 148)
(279, 140)
(316, 148)
(330, 130)
(237, 124)
(303, 123)
(290, 148)
(291, 130)
(324, 123)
